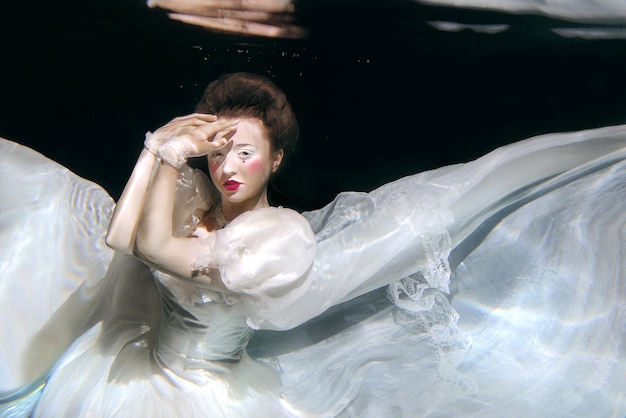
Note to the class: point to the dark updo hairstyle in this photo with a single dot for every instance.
(241, 95)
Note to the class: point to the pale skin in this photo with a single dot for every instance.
(241, 162)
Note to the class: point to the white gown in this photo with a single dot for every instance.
(491, 288)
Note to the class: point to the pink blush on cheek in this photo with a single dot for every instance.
(254, 165)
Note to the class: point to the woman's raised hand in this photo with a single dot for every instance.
(190, 136)
(175, 127)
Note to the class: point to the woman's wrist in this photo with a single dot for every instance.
(152, 144)
(174, 152)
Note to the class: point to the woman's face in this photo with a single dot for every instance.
(241, 171)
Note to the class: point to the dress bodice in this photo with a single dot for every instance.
(206, 330)
(200, 329)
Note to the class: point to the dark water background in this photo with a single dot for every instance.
(378, 91)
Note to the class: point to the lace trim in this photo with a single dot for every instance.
(195, 195)
(423, 308)
(218, 217)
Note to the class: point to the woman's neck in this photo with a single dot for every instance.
(231, 210)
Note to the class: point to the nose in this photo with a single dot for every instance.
(230, 164)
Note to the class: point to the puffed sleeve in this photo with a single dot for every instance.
(263, 256)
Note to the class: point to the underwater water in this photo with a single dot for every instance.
(381, 90)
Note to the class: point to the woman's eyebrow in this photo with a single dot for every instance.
(244, 145)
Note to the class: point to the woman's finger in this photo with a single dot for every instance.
(205, 117)
(191, 121)
(211, 130)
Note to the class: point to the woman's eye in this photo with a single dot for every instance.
(245, 154)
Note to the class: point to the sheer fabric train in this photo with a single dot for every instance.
(490, 288)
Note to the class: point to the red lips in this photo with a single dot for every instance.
(231, 185)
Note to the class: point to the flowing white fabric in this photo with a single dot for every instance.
(51, 250)
(577, 10)
(491, 288)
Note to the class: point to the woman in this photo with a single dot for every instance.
(531, 324)
(247, 127)
(245, 130)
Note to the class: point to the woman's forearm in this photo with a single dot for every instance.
(154, 230)
(152, 217)
(129, 208)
